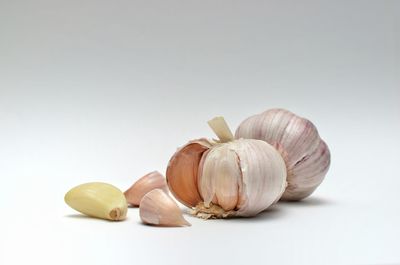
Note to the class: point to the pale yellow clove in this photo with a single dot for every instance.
(151, 181)
(158, 208)
(97, 199)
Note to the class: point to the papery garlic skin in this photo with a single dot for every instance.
(152, 180)
(182, 171)
(157, 208)
(306, 155)
(238, 178)
(246, 176)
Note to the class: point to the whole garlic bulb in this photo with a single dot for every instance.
(306, 155)
(228, 177)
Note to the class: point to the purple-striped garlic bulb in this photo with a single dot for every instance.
(306, 155)
(228, 177)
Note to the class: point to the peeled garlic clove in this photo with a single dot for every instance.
(157, 208)
(306, 155)
(99, 200)
(151, 181)
(227, 178)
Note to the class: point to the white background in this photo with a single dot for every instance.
(107, 90)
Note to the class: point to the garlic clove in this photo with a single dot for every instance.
(263, 174)
(182, 172)
(245, 176)
(99, 200)
(219, 178)
(157, 208)
(152, 180)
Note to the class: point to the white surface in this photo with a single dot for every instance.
(94, 90)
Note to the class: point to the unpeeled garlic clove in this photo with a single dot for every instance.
(98, 199)
(243, 177)
(157, 208)
(151, 181)
(306, 155)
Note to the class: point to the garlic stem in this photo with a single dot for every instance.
(221, 129)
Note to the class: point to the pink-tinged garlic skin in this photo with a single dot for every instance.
(151, 181)
(263, 184)
(245, 176)
(182, 172)
(158, 208)
(306, 155)
(238, 178)
(220, 177)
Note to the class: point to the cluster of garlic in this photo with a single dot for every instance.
(273, 155)
(150, 193)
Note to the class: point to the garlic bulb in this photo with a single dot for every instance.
(228, 177)
(151, 181)
(306, 155)
(157, 208)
